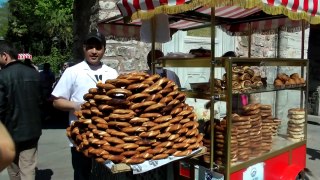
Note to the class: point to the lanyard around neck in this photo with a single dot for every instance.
(96, 78)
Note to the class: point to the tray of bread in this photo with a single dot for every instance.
(294, 80)
(135, 118)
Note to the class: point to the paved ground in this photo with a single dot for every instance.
(54, 162)
(313, 148)
(54, 153)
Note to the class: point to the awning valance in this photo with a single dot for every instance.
(23, 56)
(308, 10)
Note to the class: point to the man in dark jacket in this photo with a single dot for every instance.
(20, 101)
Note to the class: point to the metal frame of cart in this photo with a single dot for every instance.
(287, 154)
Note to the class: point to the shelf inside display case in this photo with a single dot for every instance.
(242, 137)
(185, 62)
(269, 88)
(222, 95)
(279, 145)
(219, 61)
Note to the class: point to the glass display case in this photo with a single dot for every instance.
(265, 119)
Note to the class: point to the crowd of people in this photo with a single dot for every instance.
(26, 94)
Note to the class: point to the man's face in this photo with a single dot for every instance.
(93, 51)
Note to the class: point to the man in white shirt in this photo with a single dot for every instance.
(74, 83)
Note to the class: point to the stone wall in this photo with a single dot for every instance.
(124, 56)
(265, 46)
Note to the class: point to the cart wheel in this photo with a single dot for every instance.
(300, 176)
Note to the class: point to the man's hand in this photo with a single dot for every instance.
(77, 106)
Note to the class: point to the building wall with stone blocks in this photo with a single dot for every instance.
(265, 46)
(123, 55)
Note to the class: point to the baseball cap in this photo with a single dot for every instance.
(96, 35)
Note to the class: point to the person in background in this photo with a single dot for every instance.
(7, 148)
(47, 79)
(159, 70)
(64, 66)
(29, 63)
(74, 83)
(20, 106)
(229, 54)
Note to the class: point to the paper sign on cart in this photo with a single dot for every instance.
(255, 172)
(151, 164)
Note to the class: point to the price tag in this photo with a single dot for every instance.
(255, 172)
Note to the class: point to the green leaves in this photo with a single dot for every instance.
(37, 22)
(4, 13)
(40, 27)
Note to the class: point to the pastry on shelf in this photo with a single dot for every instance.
(283, 80)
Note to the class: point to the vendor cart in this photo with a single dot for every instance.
(281, 152)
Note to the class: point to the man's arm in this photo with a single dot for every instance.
(7, 148)
(66, 105)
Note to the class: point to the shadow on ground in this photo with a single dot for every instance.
(313, 153)
(44, 174)
(314, 123)
(308, 174)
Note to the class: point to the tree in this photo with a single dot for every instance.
(35, 23)
(39, 26)
(42, 28)
(85, 14)
(4, 13)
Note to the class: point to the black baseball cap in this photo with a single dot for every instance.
(97, 36)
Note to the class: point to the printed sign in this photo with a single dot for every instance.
(211, 175)
(255, 172)
(151, 164)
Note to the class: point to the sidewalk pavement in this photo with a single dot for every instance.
(54, 157)
(54, 161)
(313, 148)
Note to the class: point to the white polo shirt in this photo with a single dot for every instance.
(78, 79)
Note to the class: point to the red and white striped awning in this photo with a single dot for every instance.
(263, 27)
(143, 7)
(308, 10)
(23, 56)
(118, 28)
(294, 9)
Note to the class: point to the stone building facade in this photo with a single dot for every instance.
(124, 56)
(266, 46)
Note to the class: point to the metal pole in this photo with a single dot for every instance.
(278, 43)
(302, 38)
(278, 56)
(212, 67)
(153, 36)
(302, 67)
(249, 40)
